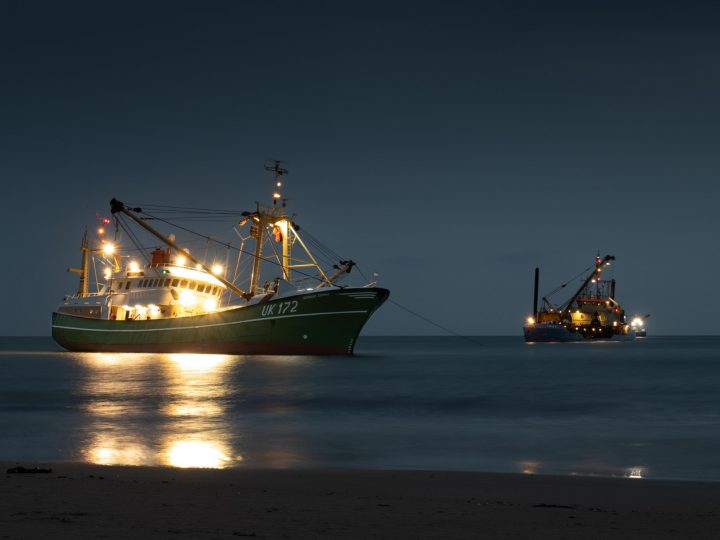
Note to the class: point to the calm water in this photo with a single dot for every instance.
(651, 406)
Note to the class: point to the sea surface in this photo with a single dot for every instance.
(649, 408)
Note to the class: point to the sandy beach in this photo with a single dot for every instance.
(89, 501)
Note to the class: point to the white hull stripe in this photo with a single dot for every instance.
(211, 325)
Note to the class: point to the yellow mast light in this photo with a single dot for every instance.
(180, 260)
(108, 248)
(217, 269)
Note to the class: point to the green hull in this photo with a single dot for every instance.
(319, 322)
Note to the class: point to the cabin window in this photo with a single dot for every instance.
(127, 285)
(175, 282)
(167, 282)
(184, 283)
(201, 288)
(155, 282)
(215, 290)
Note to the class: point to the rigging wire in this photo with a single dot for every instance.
(327, 253)
(264, 259)
(568, 282)
(185, 208)
(444, 328)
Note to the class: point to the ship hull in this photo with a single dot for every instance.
(556, 333)
(321, 322)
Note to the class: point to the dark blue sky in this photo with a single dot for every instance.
(450, 146)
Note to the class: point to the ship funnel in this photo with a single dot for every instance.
(535, 294)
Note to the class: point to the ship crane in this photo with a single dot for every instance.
(599, 264)
(118, 206)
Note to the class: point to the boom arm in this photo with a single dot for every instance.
(117, 206)
(599, 263)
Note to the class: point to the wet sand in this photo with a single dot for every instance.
(88, 501)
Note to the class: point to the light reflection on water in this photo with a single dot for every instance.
(644, 409)
(191, 419)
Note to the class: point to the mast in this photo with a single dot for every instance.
(84, 270)
(118, 206)
(599, 263)
(282, 224)
(259, 233)
(535, 294)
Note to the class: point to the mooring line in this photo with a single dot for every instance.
(444, 328)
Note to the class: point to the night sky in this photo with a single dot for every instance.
(449, 146)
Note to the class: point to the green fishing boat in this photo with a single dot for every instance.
(177, 303)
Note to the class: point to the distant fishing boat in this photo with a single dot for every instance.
(637, 325)
(591, 313)
(176, 302)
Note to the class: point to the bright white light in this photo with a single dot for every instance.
(187, 299)
(107, 273)
(154, 310)
(108, 248)
(180, 260)
(133, 266)
(637, 321)
(217, 269)
(189, 273)
(210, 304)
(530, 320)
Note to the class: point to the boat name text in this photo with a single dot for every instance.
(282, 308)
